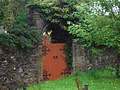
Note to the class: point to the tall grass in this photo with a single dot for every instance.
(96, 79)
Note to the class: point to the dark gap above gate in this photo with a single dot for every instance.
(57, 34)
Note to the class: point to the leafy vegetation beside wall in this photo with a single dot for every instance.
(69, 59)
(17, 33)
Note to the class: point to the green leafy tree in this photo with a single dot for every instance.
(98, 26)
(3, 4)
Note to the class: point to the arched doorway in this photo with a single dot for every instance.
(54, 54)
(58, 36)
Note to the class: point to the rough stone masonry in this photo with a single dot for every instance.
(17, 68)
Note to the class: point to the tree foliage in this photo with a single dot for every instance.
(95, 28)
(14, 20)
(58, 12)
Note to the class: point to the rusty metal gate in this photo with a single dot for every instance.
(54, 64)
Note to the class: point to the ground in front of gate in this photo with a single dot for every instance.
(97, 80)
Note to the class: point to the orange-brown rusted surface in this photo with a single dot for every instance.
(46, 39)
(54, 63)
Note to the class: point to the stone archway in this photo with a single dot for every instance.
(58, 35)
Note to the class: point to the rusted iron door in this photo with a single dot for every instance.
(54, 64)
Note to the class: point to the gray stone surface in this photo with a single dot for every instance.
(83, 60)
(17, 68)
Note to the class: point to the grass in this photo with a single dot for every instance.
(97, 80)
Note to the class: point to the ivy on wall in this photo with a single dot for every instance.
(68, 58)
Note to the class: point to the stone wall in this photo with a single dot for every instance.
(18, 68)
(83, 60)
